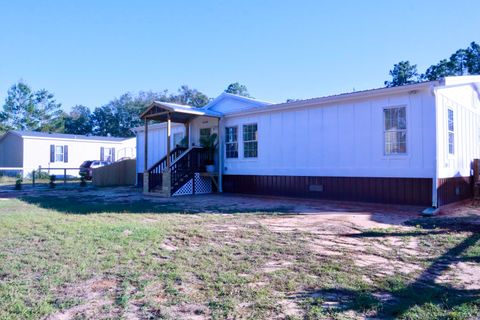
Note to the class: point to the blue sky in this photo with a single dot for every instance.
(88, 52)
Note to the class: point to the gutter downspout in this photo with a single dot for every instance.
(435, 175)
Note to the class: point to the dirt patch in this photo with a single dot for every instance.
(462, 276)
(272, 266)
(93, 299)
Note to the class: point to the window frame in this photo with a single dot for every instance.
(385, 131)
(200, 132)
(250, 141)
(61, 154)
(451, 152)
(177, 134)
(108, 156)
(235, 142)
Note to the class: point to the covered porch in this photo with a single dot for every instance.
(184, 159)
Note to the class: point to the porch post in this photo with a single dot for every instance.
(169, 133)
(166, 175)
(146, 186)
(221, 133)
(187, 133)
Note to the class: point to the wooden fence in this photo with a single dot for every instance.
(122, 173)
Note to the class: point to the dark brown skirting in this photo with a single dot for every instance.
(453, 189)
(412, 191)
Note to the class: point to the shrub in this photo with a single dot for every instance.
(83, 183)
(18, 184)
(40, 175)
(52, 181)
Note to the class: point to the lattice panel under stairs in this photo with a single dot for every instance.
(186, 189)
(202, 185)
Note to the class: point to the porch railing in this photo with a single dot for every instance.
(155, 172)
(186, 166)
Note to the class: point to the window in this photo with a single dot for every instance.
(231, 142)
(107, 154)
(58, 153)
(451, 132)
(177, 139)
(395, 133)
(250, 141)
(204, 134)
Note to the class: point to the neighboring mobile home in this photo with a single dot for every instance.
(412, 144)
(31, 150)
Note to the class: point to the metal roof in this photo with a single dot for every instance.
(158, 110)
(36, 134)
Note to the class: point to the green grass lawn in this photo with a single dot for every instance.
(96, 260)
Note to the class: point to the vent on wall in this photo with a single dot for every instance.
(316, 187)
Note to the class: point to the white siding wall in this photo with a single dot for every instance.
(199, 123)
(344, 139)
(464, 101)
(157, 143)
(11, 151)
(37, 152)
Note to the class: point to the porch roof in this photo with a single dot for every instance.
(159, 111)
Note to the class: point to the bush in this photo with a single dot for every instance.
(40, 175)
(18, 184)
(52, 181)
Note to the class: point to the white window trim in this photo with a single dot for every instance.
(107, 155)
(237, 142)
(56, 153)
(393, 156)
(243, 142)
(451, 155)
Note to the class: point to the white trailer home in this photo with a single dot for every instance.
(31, 150)
(412, 144)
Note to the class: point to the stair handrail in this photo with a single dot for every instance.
(178, 151)
(155, 172)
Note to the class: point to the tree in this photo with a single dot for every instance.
(25, 109)
(442, 69)
(459, 62)
(119, 116)
(238, 89)
(49, 113)
(473, 58)
(18, 108)
(79, 121)
(3, 119)
(191, 97)
(462, 62)
(403, 73)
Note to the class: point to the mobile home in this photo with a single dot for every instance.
(411, 144)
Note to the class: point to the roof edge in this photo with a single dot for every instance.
(337, 98)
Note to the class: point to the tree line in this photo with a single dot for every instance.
(26, 109)
(461, 62)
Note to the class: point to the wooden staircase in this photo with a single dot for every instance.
(155, 172)
(184, 164)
